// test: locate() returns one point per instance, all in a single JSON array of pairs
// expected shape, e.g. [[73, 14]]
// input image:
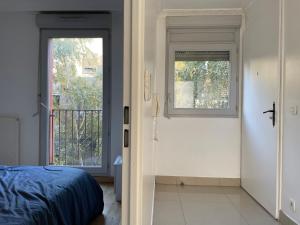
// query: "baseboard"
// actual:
[[285, 220], [101, 179], [153, 199], [198, 181]]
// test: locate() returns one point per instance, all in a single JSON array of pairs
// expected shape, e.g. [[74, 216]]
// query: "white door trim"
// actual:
[[281, 105], [125, 209], [202, 12], [136, 139]]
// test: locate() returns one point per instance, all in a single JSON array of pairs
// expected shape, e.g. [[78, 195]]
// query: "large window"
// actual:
[[202, 80], [75, 91]]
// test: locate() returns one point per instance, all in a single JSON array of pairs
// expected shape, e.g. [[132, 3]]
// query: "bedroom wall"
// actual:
[[194, 147], [291, 142], [19, 78], [19, 57]]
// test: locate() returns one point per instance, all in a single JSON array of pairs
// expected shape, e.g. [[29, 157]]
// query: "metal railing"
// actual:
[[76, 137]]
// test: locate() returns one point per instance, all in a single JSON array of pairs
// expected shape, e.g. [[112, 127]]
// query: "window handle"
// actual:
[[41, 105]]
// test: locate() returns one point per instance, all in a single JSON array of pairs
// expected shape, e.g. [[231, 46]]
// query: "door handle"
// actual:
[[273, 111]]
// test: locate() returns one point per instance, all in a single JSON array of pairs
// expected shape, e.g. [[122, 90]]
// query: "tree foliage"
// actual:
[[211, 82], [77, 129], [77, 91]]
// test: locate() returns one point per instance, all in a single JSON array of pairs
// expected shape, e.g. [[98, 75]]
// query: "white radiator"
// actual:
[[9, 141]]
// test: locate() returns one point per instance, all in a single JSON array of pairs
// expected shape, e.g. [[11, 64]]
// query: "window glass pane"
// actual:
[[202, 80], [76, 67], [75, 76]]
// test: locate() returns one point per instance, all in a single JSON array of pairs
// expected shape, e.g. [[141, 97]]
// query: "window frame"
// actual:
[[232, 112], [45, 36]]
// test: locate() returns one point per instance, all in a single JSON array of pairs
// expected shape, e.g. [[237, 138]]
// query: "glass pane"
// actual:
[[76, 99], [202, 80]]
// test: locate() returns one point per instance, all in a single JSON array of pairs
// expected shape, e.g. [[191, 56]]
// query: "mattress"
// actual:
[[48, 196]]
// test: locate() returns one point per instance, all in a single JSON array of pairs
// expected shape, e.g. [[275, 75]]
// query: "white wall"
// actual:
[[19, 61], [152, 8], [116, 137], [201, 4], [198, 147], [291, 141], [19, 78], [194, 147]]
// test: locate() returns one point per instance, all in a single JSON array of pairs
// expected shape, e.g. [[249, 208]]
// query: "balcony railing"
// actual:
[[76, 137]]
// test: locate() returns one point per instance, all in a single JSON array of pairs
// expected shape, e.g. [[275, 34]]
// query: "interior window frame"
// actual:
[[45, 36], [232, 111]]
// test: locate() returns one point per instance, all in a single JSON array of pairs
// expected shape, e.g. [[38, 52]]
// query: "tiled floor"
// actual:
[[194, 205]]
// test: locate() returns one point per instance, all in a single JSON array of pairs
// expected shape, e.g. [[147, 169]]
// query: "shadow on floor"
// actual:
[[112, 209]]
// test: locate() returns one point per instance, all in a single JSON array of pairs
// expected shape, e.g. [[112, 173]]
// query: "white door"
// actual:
[[261, 90]]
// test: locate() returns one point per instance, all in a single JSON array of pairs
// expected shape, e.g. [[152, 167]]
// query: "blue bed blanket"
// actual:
[[48, 196]]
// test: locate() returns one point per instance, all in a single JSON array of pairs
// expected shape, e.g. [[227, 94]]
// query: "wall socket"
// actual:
[[293, 205], [294, 110]]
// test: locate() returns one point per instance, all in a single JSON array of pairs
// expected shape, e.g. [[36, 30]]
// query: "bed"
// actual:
[[48, 196]]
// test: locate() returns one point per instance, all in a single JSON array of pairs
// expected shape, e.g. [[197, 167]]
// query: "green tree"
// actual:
[[211, 81], [77, 84]]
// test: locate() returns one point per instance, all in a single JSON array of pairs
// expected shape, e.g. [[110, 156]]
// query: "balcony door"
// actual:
[[75, 98]]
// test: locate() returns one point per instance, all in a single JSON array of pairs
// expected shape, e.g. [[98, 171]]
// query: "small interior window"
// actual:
[[202, 76], [202, 79]]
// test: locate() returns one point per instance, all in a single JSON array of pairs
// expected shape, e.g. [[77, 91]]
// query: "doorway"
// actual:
[[75, 99], [81, 100]]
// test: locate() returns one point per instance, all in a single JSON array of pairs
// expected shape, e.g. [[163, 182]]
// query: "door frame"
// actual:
[[137, 48], [281, 56], [136, 8], [134, 13], [126, 172], [44, 109]]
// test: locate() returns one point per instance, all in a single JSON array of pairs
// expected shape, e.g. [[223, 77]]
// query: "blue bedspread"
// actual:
[[48, 196]]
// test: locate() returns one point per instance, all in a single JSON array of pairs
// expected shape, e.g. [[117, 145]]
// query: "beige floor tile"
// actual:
[[166, 193], [204, 198], [198, 205], [253, 213], [201, 189], [168, 213], [254, 217], [197, 213], [166, 188]]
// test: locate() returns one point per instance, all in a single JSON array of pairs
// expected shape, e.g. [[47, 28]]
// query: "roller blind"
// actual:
[[202, 56]]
